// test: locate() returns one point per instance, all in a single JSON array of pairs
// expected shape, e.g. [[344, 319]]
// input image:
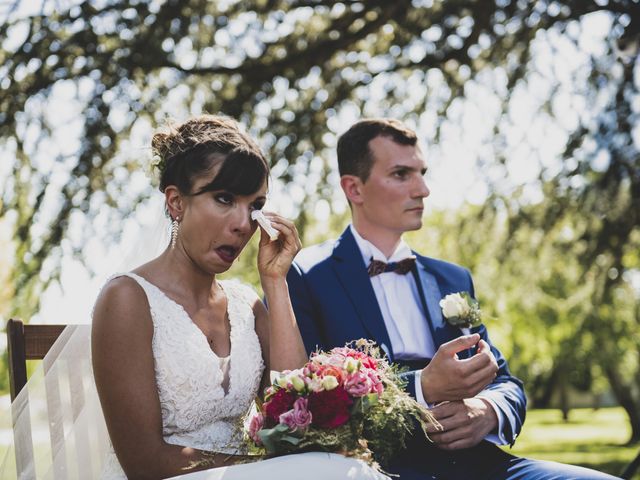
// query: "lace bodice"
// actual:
[[196, 412]]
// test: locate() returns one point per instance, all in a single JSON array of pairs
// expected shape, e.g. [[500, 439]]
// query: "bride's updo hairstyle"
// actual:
[[191, 149]]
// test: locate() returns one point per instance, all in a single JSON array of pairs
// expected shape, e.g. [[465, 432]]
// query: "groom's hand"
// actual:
[[449, 378], [464, 423]]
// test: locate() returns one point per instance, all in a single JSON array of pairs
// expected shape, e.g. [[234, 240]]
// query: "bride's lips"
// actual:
[[227, 253]]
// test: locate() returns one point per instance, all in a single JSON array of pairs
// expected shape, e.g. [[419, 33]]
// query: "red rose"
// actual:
[[279, 403], [330, 409]]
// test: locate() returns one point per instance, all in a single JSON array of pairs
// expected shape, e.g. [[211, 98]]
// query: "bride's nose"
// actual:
[[241, 221]]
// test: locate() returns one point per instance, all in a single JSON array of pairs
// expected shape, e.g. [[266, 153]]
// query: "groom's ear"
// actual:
[[351, 186], [173, 198]]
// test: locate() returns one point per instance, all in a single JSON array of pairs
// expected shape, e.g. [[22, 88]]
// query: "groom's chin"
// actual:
[[416, 225]]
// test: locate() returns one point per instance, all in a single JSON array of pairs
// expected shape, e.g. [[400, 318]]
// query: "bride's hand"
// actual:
[[275, 257]]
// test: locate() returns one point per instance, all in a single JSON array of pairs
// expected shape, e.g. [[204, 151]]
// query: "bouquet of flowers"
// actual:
[[348, 400]]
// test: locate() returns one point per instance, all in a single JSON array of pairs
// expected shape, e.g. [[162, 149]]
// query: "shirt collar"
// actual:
[[369, 250]]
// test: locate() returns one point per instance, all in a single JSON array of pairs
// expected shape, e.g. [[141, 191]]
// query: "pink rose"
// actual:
[[368, 362], [299, 417], [358, 384], [377, 386], [365, 359], [256, 424]]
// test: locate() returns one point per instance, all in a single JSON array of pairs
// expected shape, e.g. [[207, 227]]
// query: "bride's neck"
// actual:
[[181, 274]]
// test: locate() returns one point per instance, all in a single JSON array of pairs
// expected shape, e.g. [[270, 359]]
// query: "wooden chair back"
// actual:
[[27, 342]]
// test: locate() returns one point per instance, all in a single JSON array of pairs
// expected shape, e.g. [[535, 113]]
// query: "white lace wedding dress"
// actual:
[[197, 411]]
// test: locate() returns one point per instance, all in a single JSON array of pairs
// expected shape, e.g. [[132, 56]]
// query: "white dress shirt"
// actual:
[[404, 318], [396, 295]]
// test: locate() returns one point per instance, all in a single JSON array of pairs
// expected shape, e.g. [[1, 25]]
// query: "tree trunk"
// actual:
[[624, 395], [564, 395], [546, 388]]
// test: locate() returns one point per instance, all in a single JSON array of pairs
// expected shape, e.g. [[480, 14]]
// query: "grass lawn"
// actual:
[[591, 438]]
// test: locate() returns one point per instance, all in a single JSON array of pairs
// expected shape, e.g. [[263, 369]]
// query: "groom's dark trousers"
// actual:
[[335, 303]]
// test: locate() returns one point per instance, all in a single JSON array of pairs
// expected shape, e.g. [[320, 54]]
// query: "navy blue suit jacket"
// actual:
[[334, 303]]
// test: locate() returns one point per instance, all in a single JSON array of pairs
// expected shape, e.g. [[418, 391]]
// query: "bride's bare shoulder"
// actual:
[[121, 288], [122, 303]]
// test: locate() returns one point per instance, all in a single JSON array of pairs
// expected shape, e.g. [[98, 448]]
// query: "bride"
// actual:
[[178, 355]]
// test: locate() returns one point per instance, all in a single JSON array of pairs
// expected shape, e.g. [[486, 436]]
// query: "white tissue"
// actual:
[[264, 222]]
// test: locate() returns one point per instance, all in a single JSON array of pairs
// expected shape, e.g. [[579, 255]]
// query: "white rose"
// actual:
[[321, 359], [454, 305], [351, 365], [330, 382], [298, 383], [315, 384]]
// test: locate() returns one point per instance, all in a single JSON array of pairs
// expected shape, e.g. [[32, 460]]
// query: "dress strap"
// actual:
[[155, 296]]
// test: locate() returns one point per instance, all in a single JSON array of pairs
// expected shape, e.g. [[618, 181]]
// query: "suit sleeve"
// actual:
[[303, 308], [506, 392]]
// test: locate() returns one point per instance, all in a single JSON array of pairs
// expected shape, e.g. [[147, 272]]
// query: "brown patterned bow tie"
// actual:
[[376, 267]]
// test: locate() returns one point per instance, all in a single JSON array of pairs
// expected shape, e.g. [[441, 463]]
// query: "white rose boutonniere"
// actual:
[[461, 310]]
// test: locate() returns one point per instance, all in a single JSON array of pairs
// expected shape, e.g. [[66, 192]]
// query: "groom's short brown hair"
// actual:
[[355, 156]]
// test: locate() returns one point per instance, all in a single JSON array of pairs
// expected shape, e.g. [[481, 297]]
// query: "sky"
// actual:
[[456, 174]]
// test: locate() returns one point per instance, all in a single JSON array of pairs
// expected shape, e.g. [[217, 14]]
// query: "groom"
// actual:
[[369, 284]]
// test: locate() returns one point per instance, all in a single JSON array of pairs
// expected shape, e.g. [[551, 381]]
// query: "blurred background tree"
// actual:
[[545, 95]]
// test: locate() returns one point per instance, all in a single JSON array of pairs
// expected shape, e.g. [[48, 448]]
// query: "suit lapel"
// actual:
[[352, 274], [430, 295]]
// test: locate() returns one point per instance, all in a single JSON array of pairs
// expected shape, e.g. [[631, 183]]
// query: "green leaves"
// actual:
[[363, 404], [276, 439]]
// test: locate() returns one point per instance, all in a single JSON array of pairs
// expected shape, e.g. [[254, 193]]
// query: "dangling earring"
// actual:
[[175, 226]]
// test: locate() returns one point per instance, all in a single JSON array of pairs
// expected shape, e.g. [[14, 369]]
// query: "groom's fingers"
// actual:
[[483, 347], [480, 371], [459, 344], [487, 372], [444, 410], [450, 414], [480, 379], [449, 436], [479, 361], [471, 383]]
